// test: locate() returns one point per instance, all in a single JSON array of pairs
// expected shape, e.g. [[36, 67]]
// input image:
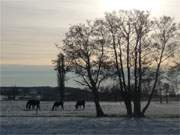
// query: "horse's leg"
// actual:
[[33, 106], [38, 105], [37, 108], [62, 106], [55, 108], [27, 106], [52, 108], [30, 106]]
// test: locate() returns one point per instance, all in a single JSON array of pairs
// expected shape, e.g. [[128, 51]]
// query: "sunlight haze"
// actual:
[[30, 28]]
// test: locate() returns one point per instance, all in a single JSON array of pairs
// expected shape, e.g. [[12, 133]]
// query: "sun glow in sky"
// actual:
[[31, 27], [132, 4]]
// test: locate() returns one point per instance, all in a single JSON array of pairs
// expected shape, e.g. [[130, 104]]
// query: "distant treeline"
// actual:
[[53, 94]]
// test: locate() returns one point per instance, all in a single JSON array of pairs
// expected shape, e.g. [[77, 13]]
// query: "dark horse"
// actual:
[[80, 103], [57, 104], [31, 104]]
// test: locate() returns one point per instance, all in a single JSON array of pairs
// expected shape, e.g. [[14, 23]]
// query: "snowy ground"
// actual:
[[162, 119]]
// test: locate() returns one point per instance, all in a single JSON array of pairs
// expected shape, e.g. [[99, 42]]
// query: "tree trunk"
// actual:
[[167, 95], [128, 94], [128, 107], [124, 90], [128, 68], [62, 86], [135, 96], [61, 76], [167, 99], [128, 104], [121, 64], [137, 104], [93, 87], [161, 99], [137, 108], [155, 82], [99, 111]]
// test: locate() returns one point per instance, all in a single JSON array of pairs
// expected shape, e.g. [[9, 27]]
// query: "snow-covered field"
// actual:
[[162, 119]]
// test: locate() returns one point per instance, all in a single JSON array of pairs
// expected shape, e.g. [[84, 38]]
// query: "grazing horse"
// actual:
[[80, 103], [31, 104], [57, 104]]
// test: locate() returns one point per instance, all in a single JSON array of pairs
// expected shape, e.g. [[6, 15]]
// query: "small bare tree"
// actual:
[[61, 69]]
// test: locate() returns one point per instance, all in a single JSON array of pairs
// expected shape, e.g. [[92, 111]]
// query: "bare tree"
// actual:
[[165, 45], [138, 42], [142, 26], [128, 31], [120, 31], [84, 48], [61, 69]]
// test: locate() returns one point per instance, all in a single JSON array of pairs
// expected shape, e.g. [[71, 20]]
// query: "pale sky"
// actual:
[[29, 28]]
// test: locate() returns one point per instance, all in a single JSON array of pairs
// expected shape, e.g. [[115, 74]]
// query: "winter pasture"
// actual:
[[162, 119]]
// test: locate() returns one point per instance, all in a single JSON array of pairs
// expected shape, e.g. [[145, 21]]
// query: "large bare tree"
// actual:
[[84, 48], [138, 43]]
